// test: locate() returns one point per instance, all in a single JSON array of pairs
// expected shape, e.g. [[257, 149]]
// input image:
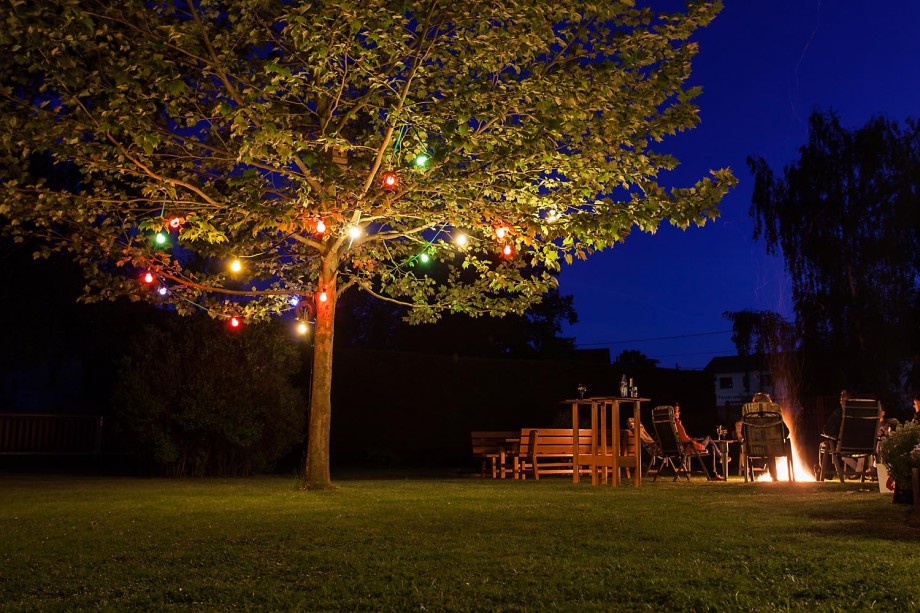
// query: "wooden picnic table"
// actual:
[[604, 459]]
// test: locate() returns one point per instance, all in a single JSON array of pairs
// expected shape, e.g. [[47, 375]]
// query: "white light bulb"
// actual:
[[354, 232]]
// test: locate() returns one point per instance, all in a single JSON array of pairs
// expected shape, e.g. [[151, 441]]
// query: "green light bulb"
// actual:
[[161, 238], [421, 160], [423, 258]]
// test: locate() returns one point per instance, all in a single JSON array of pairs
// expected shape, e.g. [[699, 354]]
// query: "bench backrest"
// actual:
[[493, 441], [554, 441]]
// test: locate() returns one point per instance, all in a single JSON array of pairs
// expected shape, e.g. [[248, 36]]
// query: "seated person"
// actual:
[[916, 417], [697, 445], [650, 448]]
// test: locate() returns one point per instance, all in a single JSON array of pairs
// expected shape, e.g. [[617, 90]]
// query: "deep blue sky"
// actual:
[[764, 66]]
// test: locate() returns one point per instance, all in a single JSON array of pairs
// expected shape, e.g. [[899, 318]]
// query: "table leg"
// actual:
[[575, 458]]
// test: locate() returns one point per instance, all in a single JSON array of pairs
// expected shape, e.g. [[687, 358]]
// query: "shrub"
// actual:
[[900, 451], [197, 399]]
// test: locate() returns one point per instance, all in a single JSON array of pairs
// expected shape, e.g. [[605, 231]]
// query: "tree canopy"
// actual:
[[336, 145], [846, 216]]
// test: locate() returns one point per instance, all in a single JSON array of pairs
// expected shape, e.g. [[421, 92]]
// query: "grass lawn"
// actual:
[[452, 544]]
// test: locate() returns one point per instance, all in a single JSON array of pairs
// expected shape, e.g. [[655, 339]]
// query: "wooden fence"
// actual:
[[39, 434]]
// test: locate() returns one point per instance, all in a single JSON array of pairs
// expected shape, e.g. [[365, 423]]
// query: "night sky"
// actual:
[[764, 65]]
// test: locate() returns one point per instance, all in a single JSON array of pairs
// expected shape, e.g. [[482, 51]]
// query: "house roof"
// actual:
[[736, 363]]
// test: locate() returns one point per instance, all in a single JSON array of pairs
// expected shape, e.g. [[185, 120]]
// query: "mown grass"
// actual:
[[70, 543]]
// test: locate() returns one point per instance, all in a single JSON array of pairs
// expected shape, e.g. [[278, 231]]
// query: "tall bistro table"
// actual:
[[603, 459]]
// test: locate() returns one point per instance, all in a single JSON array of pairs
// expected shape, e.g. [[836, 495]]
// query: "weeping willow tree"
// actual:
[[846, 217], [342, 146]]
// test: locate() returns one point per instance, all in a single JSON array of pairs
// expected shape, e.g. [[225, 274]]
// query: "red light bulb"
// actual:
[[508, 251], [234, 322], [149, 278], [320, 226], [323, 297], [175, 222], [390, 180]]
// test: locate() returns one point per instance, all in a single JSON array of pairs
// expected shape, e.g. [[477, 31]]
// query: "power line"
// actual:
[[658, 338]]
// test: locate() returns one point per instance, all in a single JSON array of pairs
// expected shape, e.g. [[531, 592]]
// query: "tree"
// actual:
[[196, 401], [760, 332], [342, 145], [634, 357], [364, 321], [846, 216]]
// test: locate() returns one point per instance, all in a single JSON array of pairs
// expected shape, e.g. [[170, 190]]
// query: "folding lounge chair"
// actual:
[[765, 438], [856, 438], [675, 454]]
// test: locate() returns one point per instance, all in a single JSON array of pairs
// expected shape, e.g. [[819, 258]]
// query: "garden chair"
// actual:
[[856, 439], [673, 452], [765, 438]]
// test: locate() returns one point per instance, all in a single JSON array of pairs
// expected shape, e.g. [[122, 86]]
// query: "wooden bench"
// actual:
[[496, 448], [548, 451]]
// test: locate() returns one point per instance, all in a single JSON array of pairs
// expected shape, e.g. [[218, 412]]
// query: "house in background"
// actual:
[[736, 379]]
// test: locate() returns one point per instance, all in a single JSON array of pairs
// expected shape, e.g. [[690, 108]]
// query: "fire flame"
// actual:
[[801, 470]]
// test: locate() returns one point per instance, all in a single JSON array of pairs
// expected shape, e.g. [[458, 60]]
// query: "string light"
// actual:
[[421, 160], [302, 328], [354, 232], [160, 238], [461, 239], [424, 258], [149, 278], [320, 226], [323, 297], [234, 322], [162, 291], [294, 301], [501, 232], [389, 180], [175, 223], [236, 265], [508, 251]]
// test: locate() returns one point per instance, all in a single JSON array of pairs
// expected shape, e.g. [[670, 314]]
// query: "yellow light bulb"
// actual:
[[236, 265], [302, 328]]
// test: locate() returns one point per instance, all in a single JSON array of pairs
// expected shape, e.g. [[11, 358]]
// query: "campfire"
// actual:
[[803, 471]]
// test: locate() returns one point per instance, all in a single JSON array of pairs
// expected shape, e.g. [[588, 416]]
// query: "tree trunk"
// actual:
[[317, 474]]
